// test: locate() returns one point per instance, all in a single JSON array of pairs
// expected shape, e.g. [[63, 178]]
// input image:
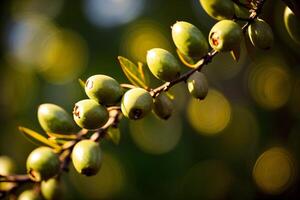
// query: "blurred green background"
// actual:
[[241, 142]]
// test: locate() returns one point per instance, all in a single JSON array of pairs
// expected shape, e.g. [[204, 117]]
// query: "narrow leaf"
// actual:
[[62, 136], [82, 83], [132, 72], [187, 61], [170, 95], [236, 52], [114, 135], [144, 73], [36, 137]]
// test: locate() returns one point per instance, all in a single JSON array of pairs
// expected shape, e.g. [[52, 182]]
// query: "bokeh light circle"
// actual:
[[156, 136], [141, 37], [110, 13], [274, 170], [211, 115], [270, 84], [109, 181]]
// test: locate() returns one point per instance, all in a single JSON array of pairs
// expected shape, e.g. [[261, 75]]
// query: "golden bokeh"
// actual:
[[274, 170], [156, 136], [141, 37], [107, 184], [209, 179], [27, 36], [240, 139], [269, 83], [64, 57], [211, 115]]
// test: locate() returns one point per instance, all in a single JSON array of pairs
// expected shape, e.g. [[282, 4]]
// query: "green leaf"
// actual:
[[37, 138], [236, 52], [144, 73], [136, 75], [186, 60], [82, 83], [62, 136], [114, 135]]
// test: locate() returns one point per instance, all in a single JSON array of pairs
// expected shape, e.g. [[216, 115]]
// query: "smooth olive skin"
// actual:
[[51, 189], [241, 12], [292, 24], [162, 64], [163, 106], [225, 35], [42, 164], [103, 89], [136, 103], [29, 195], [260, 34], [89, 114], [87, 157], [189, 40], [198, 85], [218, 9], [54, 119]]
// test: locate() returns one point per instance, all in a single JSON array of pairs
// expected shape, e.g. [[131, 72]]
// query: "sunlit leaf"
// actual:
[[132, 72], [37, 138], [82, 83], [186, 60], [114, 135], [62, 136], [144, 73], [170, 95]]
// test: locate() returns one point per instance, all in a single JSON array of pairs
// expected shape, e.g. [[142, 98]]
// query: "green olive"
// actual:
[[292, 24], [189, 40], [136, 103], [218, 9], [87, 157], [54, 119], [163, 106], [225, 35], [51, 189], [42, 164], [241, 11], [29, 195], [103, 89], [89, 114], [162, 64], [260, 34], [198, 85]]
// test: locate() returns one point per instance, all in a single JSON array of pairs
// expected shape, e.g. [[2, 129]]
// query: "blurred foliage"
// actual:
[[251, 114]]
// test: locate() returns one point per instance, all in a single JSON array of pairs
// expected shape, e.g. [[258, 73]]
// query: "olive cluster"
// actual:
[[44, 163]]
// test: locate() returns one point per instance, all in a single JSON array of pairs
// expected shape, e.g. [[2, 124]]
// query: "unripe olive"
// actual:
[[42, 164], [7, 167], [189, 40], [225, 35], [260, 34], [51, 189], [29, 195], [198, 85], [292, 24], [89, 114], [218, 9], [54, 119], [163, 106], [163, 64], [87, 157], [136, 103], [241, 11], [103, 89]]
